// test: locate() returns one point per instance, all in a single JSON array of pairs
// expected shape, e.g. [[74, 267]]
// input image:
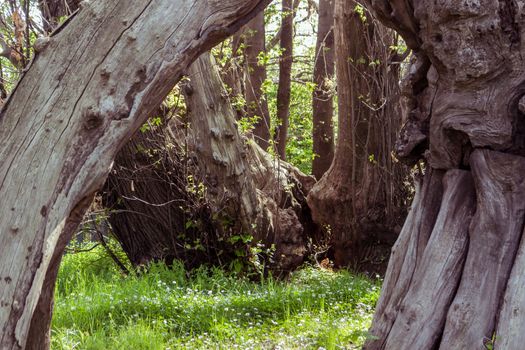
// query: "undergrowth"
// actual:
[[97, 307]]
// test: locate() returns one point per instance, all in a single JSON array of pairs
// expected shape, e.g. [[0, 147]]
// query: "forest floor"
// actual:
[[97, 307]]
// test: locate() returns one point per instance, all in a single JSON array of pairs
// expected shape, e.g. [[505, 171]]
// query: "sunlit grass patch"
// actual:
[[99, 308]]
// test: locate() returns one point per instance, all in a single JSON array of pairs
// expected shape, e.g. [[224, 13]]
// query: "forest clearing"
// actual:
[[258, 174]]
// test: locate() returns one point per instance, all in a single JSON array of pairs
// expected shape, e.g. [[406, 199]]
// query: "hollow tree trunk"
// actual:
[[255, 76], [360, 195], [323, 108], [285, 76], [63, 124], [465, 110]]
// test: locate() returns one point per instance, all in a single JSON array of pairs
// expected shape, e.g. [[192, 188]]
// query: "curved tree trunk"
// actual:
[[323, 105], [359, 196], [285, 76], [465, 111], [255, 76], [66, 119], [218, 146]]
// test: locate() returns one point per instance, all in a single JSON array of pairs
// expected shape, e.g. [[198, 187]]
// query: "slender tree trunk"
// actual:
[[285, 76], [464, 111], [359, 196], [76, 105], [323, 109], [255, 76]]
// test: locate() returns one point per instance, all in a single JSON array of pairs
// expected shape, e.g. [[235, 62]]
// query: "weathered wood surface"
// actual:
[[495, 234], [510, 332], [466, 103], [218, 146], [84, 95], [266, 195], [406, 256], [419, 322]]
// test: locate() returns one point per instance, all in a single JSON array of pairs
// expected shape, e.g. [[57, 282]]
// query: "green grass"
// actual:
[[98, 308]]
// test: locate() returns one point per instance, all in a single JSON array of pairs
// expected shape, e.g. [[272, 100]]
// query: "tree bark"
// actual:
[[359, 196], [76, 105], [495, 234], [219, 148], [255, 76], [323, 108], [465, 110], [437, 275], [285, 76], [265, 196], [407, 254]]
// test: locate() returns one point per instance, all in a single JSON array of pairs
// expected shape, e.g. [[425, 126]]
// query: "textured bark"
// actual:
[[407, 255], [511, 328], [422, 313], [323, 108], [495, 234], [266, 196], [70, 113], [255, 75], [464, 109], [219, 148], [359, 195], [285, 76]]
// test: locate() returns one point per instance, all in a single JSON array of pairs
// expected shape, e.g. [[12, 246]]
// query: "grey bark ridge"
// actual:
[[495, 234], [421, 317], [406, 256]]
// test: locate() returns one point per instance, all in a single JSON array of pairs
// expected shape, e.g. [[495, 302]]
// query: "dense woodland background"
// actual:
[[230, 150]]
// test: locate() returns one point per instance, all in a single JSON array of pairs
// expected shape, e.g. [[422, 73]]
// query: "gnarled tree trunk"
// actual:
[[65, 121], [244, 191], [264, 196], [464, 93], [359, 196]]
